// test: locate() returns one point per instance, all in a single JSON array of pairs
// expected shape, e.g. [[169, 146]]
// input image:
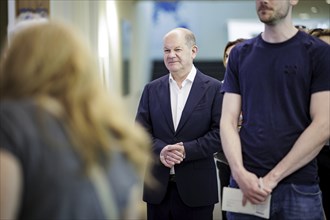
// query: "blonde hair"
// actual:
[[50, 63]]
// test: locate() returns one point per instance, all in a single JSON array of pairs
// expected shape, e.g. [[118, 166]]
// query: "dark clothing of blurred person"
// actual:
[[55, 186]]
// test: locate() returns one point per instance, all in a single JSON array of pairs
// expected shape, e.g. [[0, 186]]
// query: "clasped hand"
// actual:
[[256, 190], [172, 154]]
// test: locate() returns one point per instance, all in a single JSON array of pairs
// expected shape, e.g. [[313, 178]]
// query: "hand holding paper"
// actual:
[[232, 202]]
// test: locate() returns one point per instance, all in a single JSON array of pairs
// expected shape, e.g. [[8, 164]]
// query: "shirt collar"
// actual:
[[190, 76]]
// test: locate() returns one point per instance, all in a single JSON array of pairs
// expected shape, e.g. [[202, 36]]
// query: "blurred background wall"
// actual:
[[126, 36]]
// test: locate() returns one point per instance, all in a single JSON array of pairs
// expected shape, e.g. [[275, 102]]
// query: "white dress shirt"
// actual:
[[179, 97]]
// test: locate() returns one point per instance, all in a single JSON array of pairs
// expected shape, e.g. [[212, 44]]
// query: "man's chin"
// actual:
[[172, 67]]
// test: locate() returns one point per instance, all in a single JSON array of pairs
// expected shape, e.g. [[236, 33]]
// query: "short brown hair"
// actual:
[[229, 44]]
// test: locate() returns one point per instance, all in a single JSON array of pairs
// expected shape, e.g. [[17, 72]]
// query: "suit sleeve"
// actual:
[[143, 117]]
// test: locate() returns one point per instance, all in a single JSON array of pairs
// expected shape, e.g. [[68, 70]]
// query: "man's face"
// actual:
[[272, 11], [178, 56]]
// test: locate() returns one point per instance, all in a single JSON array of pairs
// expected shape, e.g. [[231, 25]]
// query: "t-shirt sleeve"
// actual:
[[231, 83], [321, 68]]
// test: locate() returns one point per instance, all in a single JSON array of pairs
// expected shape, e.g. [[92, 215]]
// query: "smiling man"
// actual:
[[181, 111]]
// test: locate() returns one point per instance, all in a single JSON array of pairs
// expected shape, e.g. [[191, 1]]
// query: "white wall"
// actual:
[[98, 22]]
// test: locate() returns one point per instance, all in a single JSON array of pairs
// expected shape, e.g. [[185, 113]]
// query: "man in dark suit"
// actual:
[[181, 111]]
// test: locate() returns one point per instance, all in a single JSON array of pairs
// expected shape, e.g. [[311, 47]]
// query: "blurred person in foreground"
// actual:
[[221, 161], [280, 82], [67, 150], [181, 111], [323, 158]]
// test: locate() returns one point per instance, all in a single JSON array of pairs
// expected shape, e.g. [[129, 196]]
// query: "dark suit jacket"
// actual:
[[198, 129]]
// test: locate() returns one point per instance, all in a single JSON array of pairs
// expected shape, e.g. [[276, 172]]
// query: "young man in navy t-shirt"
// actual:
[[280, 80]]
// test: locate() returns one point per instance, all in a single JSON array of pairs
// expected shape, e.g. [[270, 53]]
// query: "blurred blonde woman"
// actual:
[[67, 148]]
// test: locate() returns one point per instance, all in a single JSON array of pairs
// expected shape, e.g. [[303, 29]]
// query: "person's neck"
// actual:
[[279, 32], [179, 78]]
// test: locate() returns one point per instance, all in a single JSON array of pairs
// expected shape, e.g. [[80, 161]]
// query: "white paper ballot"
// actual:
[[232, 202]]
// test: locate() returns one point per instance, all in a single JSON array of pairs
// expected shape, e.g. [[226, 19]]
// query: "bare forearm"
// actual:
[[304, 150], [232, 146]]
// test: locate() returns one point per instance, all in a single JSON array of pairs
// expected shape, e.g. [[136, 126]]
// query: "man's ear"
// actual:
[[194, 49]]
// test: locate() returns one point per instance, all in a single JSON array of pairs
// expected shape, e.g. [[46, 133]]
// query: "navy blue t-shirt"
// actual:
[[276, 81]]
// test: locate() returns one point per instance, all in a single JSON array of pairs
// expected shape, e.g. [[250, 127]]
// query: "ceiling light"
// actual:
[[304, 15], [314, 10]]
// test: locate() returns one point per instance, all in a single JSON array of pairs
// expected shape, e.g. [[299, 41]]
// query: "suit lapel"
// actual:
[[164, 97], [197, 91]]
